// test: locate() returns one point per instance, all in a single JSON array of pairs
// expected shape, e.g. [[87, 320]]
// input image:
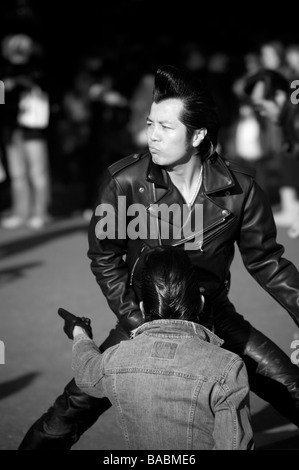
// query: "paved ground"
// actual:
[[42, 271]]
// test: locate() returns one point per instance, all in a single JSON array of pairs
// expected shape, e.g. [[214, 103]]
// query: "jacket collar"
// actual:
[[216, 175], [178, 328]]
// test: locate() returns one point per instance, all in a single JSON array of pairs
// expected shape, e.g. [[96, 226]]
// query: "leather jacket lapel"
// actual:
[[216, 175]]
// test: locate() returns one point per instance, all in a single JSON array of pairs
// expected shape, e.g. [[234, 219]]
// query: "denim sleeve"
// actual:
[[87, 363], [232, 428]]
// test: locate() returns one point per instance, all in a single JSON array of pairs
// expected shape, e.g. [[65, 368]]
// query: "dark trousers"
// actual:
[[271, 374]]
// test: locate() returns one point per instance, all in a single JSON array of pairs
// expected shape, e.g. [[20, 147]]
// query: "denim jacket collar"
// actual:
[[178, 328]]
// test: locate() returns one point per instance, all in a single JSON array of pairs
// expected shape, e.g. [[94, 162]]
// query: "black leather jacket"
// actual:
[[235, 209]]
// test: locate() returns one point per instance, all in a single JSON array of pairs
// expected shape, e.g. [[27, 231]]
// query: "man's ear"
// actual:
[[142, 308], [198, 136]]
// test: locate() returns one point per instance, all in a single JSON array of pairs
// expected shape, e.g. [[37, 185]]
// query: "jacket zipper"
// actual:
[[206, 230], [214, 235]]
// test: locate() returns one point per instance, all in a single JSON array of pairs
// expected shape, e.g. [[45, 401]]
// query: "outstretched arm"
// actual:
[[86, 357], [87, 364]]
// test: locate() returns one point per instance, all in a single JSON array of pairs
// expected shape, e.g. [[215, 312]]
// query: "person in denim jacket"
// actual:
[[173, 386]]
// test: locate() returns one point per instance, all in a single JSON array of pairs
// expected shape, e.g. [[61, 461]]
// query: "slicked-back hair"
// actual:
[[199, 109], [170, 287]]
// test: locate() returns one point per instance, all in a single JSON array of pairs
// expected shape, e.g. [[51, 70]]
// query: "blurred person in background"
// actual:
[[270, 94], [244, 141], [252, 140], [24, 131], [183, 169], [75, 155], [244, 136], [251, 64], [272, 57], [109, 133], [183, 360], [292, 61], [191, 55], [92, 125]]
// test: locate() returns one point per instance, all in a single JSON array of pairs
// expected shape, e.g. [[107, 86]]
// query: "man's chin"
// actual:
[[156, 160]]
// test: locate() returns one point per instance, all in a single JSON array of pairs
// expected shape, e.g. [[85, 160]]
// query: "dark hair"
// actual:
[[170, 286], [273, 81], [199, 110]]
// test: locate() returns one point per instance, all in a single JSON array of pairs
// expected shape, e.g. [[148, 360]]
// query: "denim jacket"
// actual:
[[173, 387]]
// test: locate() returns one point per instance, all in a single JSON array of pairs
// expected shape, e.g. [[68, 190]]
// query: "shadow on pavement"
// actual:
[[13, 386], [17, 272], [291, 443], [273, 431], [32, 240], [268, 418]]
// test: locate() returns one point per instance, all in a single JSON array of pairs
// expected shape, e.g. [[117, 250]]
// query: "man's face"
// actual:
[[166, 135], [269, 108]]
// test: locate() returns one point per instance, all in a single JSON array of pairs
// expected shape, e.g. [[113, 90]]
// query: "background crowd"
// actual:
[[69, 114]]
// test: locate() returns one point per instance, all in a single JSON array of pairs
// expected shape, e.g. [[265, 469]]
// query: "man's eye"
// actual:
[[148, 123]]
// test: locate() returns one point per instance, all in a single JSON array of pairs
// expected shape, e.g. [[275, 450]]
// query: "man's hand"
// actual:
[[71, 321]]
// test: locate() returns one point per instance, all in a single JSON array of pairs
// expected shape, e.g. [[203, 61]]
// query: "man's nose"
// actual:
[[154, 134]]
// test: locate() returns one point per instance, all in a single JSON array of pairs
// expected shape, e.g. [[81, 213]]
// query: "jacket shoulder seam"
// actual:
[[123, 163], [239, 168]]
